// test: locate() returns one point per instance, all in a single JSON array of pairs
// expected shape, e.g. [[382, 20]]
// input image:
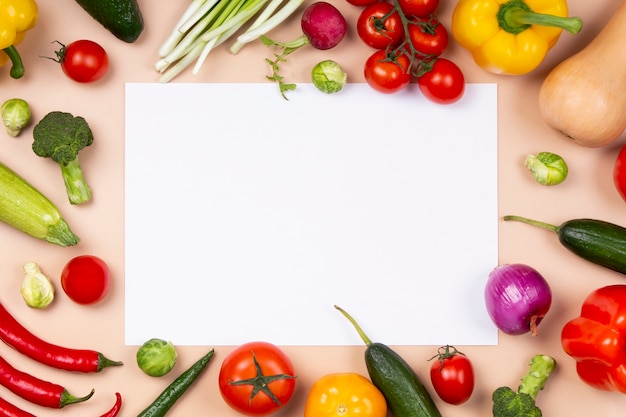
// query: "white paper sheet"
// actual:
[[248, 217]]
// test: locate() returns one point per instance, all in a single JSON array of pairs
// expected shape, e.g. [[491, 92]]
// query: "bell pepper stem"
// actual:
[[17, 68], [515, 16]]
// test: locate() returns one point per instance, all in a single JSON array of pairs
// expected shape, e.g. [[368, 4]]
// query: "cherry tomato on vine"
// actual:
[[428, 36], [85, 279], [452, 375], [257, 379], [83, 61], [444, 83], [619, 173], [379, 31], [387, 74], [418, 8]]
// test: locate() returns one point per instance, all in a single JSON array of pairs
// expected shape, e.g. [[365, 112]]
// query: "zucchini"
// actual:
[[122, 18], [596, 241], [405, 393], [25, 208]]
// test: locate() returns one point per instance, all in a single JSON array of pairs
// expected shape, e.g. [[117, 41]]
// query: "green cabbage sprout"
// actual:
[[16, 115], [156, 357], [329, 77], [547, 168], [37, 289]]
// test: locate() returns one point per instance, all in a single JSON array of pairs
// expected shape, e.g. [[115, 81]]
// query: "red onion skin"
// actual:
[[517, 298]]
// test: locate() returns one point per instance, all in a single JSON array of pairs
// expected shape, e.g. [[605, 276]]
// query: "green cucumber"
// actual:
[[405, 393], [25, 208], [122, 18], [596, 241]]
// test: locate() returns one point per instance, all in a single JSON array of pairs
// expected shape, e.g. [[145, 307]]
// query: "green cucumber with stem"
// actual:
[[27, 209], [596, 241], [405, 393]]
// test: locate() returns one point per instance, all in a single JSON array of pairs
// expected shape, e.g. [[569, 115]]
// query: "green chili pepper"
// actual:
[[162, 404]]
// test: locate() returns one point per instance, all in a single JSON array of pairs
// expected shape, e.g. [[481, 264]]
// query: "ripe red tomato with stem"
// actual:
[[387, 73], [418, 8], [83, 61], [619, 173], [428, 36], [452, 375], [379, 25], [85, 279], [257, 379], [441, 81]]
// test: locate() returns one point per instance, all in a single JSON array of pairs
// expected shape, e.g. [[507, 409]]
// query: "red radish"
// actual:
[[323, 25]]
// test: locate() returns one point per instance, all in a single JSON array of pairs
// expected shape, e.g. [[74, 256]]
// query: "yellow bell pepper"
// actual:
[[16, 17], [511, 36]]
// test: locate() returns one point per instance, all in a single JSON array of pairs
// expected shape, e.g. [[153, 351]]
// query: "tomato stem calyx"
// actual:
[[260, 382], [445, 352]]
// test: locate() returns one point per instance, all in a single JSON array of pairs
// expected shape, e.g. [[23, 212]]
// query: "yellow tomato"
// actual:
[[345, 395]]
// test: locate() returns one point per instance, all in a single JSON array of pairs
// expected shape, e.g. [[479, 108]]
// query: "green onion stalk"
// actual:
[[205, 24]]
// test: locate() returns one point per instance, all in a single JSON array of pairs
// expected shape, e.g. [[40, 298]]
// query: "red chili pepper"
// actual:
[[21, 339], [9, 410], [35, 390], [116, 407]]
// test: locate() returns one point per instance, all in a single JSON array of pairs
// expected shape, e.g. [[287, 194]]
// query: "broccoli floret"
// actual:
[[61, 136], [508, 403]]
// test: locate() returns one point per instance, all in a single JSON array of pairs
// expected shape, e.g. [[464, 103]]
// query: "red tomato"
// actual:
[[619, 173], [85, 279], [257, 379], [444, 83], [428, 36], [418, 8], [84, 61], [387, 74], [376, 32], [452, 376], [361, 3]]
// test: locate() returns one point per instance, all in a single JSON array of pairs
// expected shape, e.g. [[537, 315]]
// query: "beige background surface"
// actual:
[[588, 192]]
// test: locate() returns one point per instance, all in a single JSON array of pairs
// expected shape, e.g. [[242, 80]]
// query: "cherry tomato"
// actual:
[[452, 375], [444, 83], [387, 74], [257, 379], [85, 279], [376, 32], [361, 3], [418, 8], [619, 173], [83, 61], [345, 394], [428, 36]]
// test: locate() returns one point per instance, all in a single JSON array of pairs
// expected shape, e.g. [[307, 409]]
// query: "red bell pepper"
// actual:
[[597, 339]]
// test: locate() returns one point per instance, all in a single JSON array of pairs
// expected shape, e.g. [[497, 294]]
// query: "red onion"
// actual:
[[517, 298]]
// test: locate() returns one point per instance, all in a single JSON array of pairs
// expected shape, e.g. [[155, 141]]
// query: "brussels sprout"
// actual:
[[328, 77], [547, 168], [156, 357], [16, 115], [37, 289]]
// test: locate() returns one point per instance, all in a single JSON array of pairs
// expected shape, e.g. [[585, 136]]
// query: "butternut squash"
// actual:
[[584, 97]]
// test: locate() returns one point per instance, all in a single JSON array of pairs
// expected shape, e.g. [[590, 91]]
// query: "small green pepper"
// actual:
[[547, 168], [164, 401]]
